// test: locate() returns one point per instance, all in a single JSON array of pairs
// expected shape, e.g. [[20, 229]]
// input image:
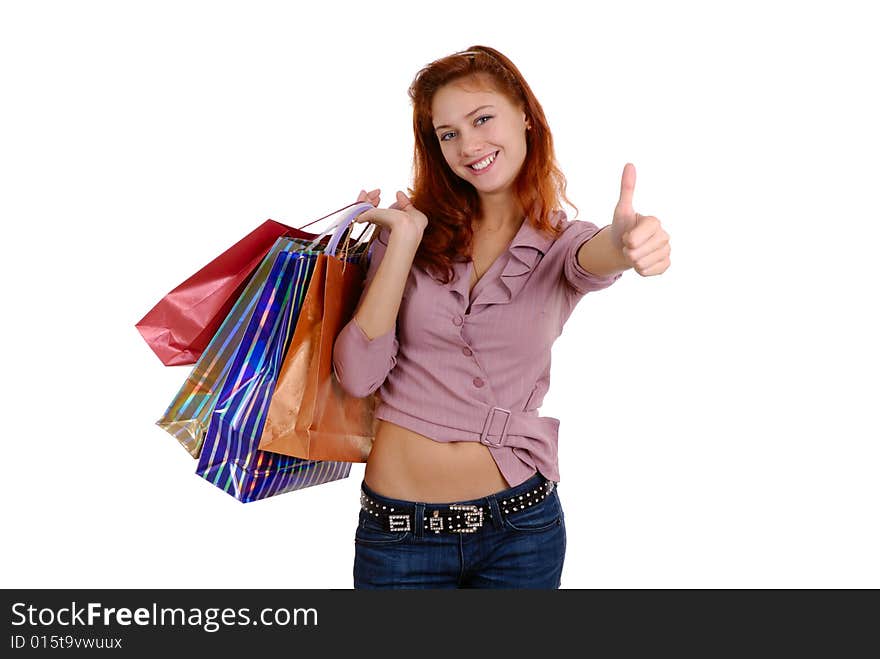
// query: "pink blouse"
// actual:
[[475, 368]]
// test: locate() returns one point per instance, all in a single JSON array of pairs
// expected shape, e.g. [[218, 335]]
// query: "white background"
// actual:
[[718, 422]]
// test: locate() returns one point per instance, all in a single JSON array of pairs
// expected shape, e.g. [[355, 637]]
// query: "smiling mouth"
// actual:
[[494, 157]]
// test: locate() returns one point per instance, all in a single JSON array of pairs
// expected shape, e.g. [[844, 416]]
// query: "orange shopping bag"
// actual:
[[310, 415]]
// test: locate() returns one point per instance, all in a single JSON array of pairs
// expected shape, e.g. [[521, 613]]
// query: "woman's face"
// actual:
[[469, 132]]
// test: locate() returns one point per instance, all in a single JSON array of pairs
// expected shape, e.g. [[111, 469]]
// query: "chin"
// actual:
[[494, 186]]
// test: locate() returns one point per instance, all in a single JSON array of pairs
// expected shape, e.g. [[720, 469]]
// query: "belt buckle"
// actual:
[[398, 523], [488, 424], [435, 522], [473, 518]]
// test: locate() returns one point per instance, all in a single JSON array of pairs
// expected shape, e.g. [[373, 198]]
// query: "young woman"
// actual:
[[469, 284]]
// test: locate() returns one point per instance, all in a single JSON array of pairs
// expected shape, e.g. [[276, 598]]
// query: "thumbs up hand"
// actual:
[[642, 241]]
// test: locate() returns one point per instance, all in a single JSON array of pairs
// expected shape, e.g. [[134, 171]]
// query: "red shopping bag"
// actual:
[[180, 326]]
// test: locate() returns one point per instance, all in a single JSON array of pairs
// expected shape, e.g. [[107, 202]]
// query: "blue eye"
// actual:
[[485, 116]]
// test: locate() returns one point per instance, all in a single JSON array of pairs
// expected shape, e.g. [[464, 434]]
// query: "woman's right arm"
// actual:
[[365, 350]]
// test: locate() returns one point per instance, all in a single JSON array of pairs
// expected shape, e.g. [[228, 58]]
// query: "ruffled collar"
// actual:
[[523, 254]]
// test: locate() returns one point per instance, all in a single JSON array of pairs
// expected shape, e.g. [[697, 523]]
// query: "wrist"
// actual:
[[407, 235]]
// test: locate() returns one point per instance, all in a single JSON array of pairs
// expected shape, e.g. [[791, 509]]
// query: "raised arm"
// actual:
[[365, 350]]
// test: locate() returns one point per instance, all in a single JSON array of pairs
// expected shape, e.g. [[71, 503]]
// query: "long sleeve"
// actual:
[[360, 364], [578, 278]]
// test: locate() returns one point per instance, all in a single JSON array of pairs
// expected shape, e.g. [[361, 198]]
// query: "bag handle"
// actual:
[[339, 228]]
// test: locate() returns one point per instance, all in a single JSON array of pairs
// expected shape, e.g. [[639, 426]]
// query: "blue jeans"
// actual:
[[517, 549]]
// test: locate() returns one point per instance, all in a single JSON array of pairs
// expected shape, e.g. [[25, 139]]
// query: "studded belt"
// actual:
[[454, 517]]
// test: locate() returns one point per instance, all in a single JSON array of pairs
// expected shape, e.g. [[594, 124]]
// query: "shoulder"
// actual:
[[383, 235], [380, 235], [374, 252], [572, 232], [378, 241]]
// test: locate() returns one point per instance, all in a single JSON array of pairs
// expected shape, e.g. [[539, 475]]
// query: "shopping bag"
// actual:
[[230, 457], [186, 418], [310, 415], [180, 326]]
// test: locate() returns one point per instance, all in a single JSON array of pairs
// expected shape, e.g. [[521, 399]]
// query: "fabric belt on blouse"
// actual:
[[504, 427]]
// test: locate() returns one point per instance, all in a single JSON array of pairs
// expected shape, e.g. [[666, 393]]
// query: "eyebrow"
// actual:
[[482, 107]]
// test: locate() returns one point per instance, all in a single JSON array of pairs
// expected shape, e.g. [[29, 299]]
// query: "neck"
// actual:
[[498, 217]]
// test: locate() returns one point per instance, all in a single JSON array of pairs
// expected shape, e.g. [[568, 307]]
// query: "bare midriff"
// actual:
[[404, 464]]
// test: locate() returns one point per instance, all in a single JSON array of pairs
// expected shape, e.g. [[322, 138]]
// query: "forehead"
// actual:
[[454, 100]]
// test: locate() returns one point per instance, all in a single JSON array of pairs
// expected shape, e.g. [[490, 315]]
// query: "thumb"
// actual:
[[627, 187]]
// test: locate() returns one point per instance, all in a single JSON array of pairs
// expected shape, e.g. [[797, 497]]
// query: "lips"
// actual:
[[480, 159], [494, 156]]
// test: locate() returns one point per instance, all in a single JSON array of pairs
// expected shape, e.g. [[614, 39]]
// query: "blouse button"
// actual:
[[478, 382], [467, 351], [457, 320]]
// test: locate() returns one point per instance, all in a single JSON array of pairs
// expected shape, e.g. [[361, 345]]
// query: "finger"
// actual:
[[636, 253], [403, 200], [362, 217], [627, 186], [641, 233], [647, 253], [656, 263]]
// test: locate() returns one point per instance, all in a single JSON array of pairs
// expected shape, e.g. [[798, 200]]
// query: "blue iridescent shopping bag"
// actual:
[[186, 417]]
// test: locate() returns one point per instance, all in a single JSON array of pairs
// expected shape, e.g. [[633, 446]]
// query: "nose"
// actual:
[[472, 150]]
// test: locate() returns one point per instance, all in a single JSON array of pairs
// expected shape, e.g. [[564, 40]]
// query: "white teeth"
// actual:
[[483, 163]]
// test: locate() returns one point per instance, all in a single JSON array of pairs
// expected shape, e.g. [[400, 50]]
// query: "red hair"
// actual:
[[451, 203]]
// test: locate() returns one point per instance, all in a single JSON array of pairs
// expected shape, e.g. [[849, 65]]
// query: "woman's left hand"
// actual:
[[642, 241]]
